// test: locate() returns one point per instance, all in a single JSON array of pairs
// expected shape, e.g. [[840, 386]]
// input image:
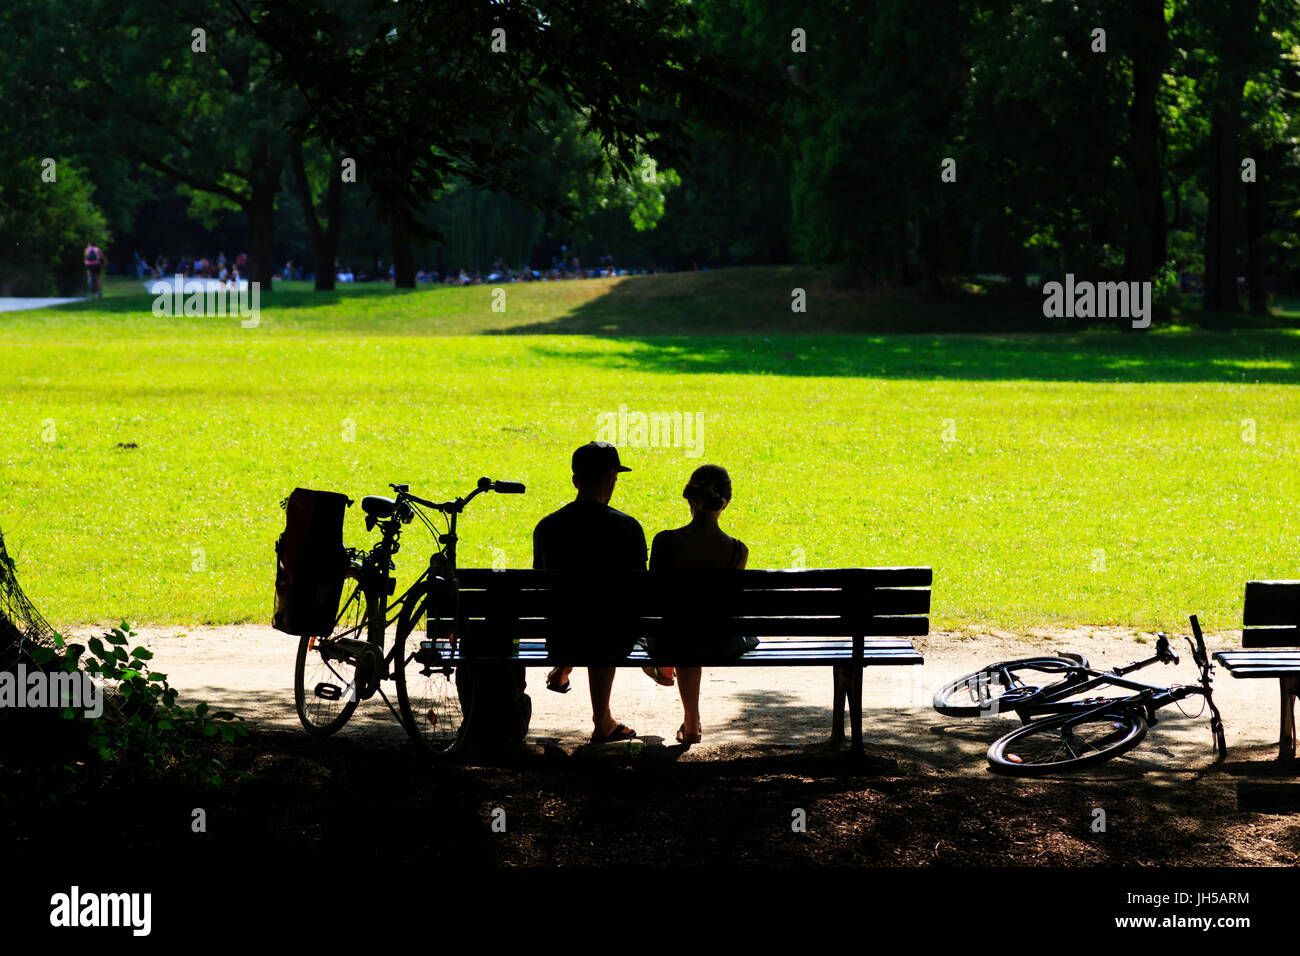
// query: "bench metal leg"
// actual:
[[837, 712], [1289, 687], [855, 706]]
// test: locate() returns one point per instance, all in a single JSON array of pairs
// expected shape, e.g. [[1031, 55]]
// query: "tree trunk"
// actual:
[[1220, 220], [403, 259], [1225, 160], [324, 240], [1145, 249], [264, 180], [1257, 227]]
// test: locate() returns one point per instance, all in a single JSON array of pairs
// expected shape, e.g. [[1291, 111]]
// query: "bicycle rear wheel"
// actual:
[[991, 691], [435, 712], [1066, 742], [325, 688]]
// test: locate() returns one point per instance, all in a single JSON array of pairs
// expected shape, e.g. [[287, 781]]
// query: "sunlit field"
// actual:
[[1049, 475]]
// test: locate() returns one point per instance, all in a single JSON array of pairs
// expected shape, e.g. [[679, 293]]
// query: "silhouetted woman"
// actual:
[[700, 545]]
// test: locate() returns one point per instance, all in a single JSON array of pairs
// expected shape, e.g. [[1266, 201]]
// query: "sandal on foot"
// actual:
[[684, 738], [657, 675], [558, 688], [619, 733]]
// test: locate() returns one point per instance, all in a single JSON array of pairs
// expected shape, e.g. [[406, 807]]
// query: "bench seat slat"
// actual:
[[1260, 664], [776, 653]]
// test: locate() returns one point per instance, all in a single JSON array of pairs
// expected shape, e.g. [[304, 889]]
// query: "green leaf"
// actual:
[[201, 709], [116, 637], [210, 730], [97, 646], [142, 654], [58, 639]]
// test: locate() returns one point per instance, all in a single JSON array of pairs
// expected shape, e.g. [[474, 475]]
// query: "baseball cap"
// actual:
[[595, 458]]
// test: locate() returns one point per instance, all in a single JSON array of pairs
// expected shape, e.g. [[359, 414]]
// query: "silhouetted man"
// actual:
[[587, 534]]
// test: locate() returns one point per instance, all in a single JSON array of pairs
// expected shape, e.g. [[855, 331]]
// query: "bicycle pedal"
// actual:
[[328, 691]]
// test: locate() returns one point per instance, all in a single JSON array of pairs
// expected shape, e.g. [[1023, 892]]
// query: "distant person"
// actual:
[[94, 260], [587, 534], [701, 545]]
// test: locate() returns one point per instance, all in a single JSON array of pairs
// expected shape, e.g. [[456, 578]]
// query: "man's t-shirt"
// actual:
[[586, 535]]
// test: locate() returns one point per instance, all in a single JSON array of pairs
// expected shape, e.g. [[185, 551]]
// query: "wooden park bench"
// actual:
[[846, 619], [1270, 638]]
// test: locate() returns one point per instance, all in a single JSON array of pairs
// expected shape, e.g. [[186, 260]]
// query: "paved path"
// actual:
[[249, 668], [16, 305]]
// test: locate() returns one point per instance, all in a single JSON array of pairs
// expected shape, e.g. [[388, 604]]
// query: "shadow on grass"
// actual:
[[1265, 356], [741, 321]]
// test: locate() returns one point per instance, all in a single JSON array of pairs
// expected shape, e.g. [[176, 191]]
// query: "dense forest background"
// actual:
[[1142, 139]]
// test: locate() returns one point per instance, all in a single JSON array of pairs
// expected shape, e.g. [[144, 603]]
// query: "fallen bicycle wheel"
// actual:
[[985, 694], [1066, 742]]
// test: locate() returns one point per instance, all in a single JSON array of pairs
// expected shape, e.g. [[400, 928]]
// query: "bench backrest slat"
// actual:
[[1271, 617], [829, 602]]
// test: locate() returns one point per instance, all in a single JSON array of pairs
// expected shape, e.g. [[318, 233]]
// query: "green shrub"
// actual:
[[142, 722]]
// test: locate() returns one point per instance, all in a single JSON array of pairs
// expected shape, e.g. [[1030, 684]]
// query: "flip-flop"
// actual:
[[620, 733], [558, 688], [684, 738], [657, 675]]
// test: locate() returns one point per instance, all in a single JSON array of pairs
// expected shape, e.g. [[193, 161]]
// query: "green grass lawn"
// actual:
[[1048, 474]]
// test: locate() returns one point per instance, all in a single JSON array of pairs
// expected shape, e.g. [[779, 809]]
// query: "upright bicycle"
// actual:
[[1064, 730], [334, 672]]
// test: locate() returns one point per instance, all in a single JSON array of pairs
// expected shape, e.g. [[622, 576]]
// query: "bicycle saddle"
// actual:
[[377, 506]]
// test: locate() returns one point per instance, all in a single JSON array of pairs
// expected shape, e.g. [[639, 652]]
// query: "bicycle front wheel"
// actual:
[[992, 691], [1066, 742], [435, 712], [325, 674]]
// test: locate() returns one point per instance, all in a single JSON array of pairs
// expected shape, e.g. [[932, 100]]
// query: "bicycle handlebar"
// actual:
[[458, 505]]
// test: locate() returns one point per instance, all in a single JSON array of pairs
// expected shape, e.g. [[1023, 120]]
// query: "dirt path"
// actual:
[[249, 669]]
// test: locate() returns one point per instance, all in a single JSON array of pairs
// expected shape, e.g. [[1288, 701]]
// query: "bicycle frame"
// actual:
[[374, 573], [1053, 699]]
